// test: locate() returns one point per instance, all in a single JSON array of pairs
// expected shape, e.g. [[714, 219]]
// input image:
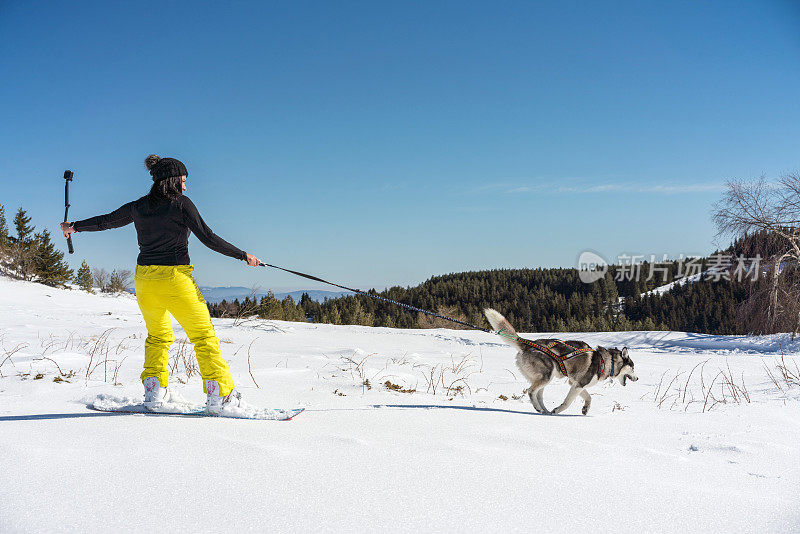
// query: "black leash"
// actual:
[[406, 306], [545, 349]]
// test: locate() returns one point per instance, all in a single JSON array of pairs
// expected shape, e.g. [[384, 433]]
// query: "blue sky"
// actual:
[[380, 143]]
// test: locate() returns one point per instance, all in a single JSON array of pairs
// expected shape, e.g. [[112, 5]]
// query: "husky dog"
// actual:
[[583, 370]]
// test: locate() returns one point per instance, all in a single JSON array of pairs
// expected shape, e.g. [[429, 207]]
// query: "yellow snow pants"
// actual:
[[162, 290]]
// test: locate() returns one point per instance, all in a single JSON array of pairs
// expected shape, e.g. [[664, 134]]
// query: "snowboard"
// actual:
[[179, 406]]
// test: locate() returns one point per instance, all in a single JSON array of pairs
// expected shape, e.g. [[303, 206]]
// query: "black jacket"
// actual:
[[162, 230]]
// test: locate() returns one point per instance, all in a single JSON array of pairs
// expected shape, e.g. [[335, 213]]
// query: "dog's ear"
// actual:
[[624, 351]]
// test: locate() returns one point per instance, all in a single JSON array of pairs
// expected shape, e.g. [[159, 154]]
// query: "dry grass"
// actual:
[[785, 375], [7, 354], [355, 367], [100, 347], [396, 387], [682, 393], [183, 358], [62, 376], [450, 379], [96, 348], [249, 369], [117, 365]]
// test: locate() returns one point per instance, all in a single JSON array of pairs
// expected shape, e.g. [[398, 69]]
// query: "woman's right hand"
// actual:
[[66, 229], [252, 261]]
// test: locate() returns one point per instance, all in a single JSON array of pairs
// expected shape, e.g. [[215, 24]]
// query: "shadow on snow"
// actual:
[[51, 416]]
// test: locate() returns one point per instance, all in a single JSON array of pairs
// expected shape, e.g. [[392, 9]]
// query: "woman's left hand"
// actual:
[[66, 229]]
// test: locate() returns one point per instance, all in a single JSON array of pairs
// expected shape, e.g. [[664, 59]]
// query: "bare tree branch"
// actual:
[[773, 211]]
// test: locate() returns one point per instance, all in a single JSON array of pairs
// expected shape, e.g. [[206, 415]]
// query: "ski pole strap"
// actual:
[[377, 297]]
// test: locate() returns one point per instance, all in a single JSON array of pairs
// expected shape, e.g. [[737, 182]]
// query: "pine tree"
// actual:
[[5, 242], [22, 223], [270, 308], [84, 278], [292, 311], [353, 312], [23, 248], [601, 324], [333, 317], [48, 263], [623, 324], [311, 309]]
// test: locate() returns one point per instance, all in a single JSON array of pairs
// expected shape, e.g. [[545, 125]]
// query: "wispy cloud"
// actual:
[[497, 186], [473, 209], [392, 186], [589, 188], [685, 188]]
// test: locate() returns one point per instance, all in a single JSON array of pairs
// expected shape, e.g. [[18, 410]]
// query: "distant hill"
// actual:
[[218, 294]]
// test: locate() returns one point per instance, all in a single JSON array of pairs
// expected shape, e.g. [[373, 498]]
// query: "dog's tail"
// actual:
[[501, 325]]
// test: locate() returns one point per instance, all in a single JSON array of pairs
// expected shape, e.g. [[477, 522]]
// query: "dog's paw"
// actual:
[[585, 409]]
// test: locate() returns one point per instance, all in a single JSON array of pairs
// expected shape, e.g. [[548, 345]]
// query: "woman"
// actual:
[[164, 283]]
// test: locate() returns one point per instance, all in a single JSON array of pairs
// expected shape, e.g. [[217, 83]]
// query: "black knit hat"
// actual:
[[161, 168]]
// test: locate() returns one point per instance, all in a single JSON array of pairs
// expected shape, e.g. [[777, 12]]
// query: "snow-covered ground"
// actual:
[[714, 449]]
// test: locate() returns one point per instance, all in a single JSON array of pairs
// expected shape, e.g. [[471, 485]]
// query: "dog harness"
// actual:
[[548, 349]]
